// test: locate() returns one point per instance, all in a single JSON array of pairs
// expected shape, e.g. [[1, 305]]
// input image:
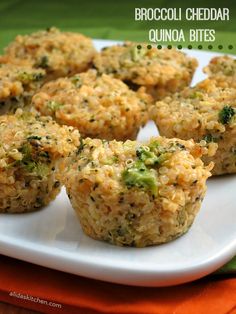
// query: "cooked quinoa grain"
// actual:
[[30, 152], [206, 113], [135, 194], [59, 53], [223, 71], [161, 71], [17, 86], [98, 105]]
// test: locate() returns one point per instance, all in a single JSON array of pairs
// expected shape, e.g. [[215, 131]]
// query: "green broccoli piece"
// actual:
[[226, 114], [34, 137], [209, 138], [30, 165], [53, 105], [38, 168], [137, 54], [76, 80], [140, 176], [148, 157], [25, 77], [43, 62]]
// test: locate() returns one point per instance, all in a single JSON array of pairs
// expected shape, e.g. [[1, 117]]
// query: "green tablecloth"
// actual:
[[109, 20]]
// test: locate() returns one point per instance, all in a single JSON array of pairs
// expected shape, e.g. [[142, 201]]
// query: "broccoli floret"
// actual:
[[81, 147], [196, 95], [38, 76], [76, 80], [110, 161], [29, 77], [26, 151], [140, 176], [38, 168], [154, 146], [44, 62], [30, 165], [54, 105], [148, 157], [137, 54], [209, 138], [34, 137], [226, 114]]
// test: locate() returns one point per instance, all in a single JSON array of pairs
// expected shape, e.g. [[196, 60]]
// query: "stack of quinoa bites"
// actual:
[[97, 104], [131, 194], [59, 53], [70, 116], [31, 149], [160, 71]]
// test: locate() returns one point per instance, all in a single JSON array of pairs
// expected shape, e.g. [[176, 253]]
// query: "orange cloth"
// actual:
[[77, 295]]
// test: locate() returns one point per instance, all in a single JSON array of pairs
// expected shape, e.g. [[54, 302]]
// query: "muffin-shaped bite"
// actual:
[[31, 149], [133, 194], [17, 86], [59, 53], [205, 113], [98, 105], [161, 71], [223, 71]]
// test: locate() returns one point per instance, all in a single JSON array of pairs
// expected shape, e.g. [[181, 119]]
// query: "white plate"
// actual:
[[53, 237]]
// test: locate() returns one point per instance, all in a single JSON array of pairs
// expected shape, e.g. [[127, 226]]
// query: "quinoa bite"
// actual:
[[205, 113], [223, 71], [59, 53], [134, 194], [31, 149], [160, 71], [17, 86], [98, 105]]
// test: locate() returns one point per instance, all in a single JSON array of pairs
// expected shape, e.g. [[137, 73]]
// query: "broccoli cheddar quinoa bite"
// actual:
[[17, 86], [31, 149], [205, 113], [223, 71], [59, 53], [160, 71], [98, 105], [132, 194]]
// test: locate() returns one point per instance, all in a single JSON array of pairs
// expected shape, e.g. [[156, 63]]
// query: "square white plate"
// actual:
[[52, 237]]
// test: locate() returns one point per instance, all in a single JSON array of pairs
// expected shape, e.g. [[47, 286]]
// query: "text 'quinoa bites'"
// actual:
[[31, 148], [205, 113], [17, 86], [98, 105], [133, 194], [161, 71], [59, 53], [222, 70]]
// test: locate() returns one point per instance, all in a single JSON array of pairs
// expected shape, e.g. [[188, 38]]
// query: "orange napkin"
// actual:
[[34, 287]]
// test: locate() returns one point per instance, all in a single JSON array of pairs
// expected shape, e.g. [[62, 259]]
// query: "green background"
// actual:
[[110, 20]]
